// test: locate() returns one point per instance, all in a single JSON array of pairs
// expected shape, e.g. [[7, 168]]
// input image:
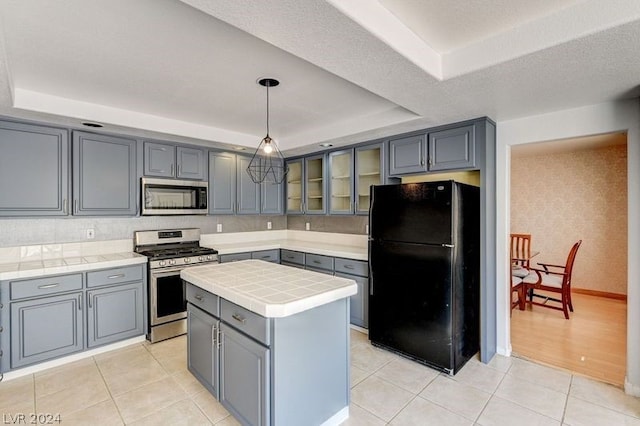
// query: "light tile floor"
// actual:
[[146, 384]]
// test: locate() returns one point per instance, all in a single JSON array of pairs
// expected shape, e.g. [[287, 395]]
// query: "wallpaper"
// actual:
[[565, 197]]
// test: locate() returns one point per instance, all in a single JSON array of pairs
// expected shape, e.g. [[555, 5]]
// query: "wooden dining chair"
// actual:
[[521, 249], [554, 279]]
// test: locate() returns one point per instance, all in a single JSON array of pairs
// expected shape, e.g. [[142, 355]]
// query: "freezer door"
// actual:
[[410, 304], [412, 212]]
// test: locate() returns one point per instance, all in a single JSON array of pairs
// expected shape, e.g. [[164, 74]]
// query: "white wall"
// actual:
[[584, 121]]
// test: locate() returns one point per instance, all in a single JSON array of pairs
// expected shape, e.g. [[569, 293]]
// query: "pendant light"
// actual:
[[267, 164]]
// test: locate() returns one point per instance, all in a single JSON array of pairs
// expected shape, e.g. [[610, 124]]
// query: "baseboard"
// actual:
[[606, 294]]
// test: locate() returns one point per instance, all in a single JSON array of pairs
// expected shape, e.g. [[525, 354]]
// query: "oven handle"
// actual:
[[163, 272]]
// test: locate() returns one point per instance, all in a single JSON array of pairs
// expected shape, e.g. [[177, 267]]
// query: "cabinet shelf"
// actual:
[[319, 179], [369, 174], [294, 198], [341, 195], [341, 177], [294, 182], [319, 197]]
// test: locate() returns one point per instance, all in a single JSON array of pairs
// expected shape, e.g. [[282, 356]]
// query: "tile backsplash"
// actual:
[[51, 233]]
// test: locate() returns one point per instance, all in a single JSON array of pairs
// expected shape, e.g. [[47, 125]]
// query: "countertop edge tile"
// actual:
[[125, 259], [335, 250]]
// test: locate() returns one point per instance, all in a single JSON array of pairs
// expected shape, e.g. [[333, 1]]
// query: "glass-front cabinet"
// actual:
[[314, 185], [294, 180], [341, 200], [368, 171]]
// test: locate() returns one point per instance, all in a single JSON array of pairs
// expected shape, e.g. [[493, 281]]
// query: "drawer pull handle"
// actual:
[[265, 257], [348, 266], [317, 262], [198, 297], [113, 277], [52, 285], [239, 318]]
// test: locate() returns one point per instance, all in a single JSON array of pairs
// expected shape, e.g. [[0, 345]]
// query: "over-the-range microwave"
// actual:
[[173, 197]]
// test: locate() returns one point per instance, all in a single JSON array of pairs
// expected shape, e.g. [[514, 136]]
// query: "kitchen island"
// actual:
[[271, 342]]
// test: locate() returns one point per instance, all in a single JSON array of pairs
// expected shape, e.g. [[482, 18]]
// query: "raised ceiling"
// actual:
[[350, 70]]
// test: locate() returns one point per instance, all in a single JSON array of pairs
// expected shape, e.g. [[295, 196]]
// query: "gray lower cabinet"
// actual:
[[49, 317], [104, 175], [34, 170], [270, 371], [46, 328], [244, 377], [292, 258], [234, 257], [115, 313], [358, 271], [202, 347], [266, 255]]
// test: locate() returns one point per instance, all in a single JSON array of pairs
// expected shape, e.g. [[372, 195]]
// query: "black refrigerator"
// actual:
[[424, 257]]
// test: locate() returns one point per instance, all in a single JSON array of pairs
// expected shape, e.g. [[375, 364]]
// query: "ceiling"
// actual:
[[350, 71]]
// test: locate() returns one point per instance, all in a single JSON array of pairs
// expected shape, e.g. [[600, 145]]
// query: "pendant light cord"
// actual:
[[268, 108]]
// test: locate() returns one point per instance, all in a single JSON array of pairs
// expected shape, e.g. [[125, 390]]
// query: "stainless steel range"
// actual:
[[169, 252]]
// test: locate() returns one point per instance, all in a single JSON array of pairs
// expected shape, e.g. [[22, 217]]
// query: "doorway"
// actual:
[[563, 191]]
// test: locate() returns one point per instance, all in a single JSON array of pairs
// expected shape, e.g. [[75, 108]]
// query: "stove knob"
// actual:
[[187, 259], [201, 258], [209, 257], [172, 262], [162, 263]]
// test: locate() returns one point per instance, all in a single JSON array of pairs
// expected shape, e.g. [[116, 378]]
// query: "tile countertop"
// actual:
[[269, 289], [324, 243], [54, 259]]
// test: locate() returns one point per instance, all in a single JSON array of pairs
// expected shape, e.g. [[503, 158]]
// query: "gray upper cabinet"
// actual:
[[247, 192], [222, 183], [341, 179], [306, 185], [231, 190], [34, 170], [170, 161], [104, 175], [368, 170], [294, 181], [452, 149], [407, 155]]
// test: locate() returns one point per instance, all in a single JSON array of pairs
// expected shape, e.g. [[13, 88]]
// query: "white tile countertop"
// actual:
[[51, 259], [269, 289], [349, 246]]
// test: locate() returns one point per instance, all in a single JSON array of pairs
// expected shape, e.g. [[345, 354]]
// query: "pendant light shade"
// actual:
[[267, 164]]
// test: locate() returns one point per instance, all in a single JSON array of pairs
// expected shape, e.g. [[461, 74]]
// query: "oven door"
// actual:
[[167, 296]]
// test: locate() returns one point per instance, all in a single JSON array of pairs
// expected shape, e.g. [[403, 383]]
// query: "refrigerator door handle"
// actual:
[[448, 245]]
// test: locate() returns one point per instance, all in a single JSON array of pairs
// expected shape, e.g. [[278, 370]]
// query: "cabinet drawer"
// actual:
[[267, 255], [290, 256], [234, 257], [204, 300], [43, 286], [248, 322], [353, 267], [114, 276], [319, 261]]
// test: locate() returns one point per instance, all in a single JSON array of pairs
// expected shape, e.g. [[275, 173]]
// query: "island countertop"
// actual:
[[269, 289]]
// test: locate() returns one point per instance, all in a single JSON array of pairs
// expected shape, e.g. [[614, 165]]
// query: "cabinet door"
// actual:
[[294, 187], [368, 171], [407, 155], [202, 347], [46, 328], [159, 160], [114, 313], [452, 149], [34, 170], [191, 163], [315, 201], [248, 192], [104, 175], [359, 302], [222, 183], [272, 197], [341, 200], [244, 377]]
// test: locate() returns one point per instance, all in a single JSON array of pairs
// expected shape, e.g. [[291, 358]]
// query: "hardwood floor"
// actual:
[[593, 342]]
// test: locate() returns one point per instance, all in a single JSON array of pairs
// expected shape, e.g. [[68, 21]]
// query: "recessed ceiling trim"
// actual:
[[41, 102], [380, 22]]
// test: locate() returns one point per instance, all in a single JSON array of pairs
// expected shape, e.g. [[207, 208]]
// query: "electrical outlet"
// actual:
[[91, 234], [268, 225], [219, 227], [307, 226]]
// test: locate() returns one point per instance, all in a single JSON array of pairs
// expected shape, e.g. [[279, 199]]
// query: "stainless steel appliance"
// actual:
[[424, 259], [171, 196], [169, 252]]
